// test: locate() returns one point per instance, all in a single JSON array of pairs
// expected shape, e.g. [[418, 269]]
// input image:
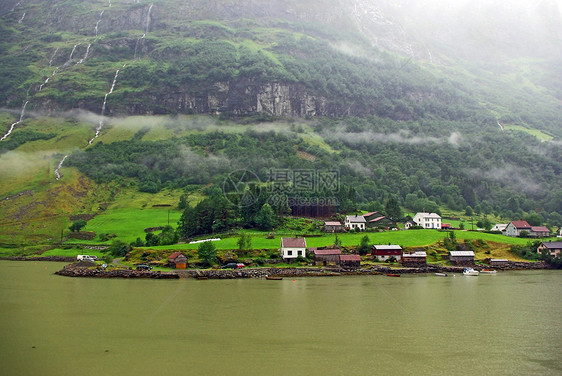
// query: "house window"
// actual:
[[299, 253], [289, 253]]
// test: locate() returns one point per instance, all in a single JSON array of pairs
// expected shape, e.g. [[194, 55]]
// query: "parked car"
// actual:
[[233, 265], [144, 267], [86, 258]]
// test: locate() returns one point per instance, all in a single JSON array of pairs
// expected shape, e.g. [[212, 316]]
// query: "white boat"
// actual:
[[470, 271], [488, 271]]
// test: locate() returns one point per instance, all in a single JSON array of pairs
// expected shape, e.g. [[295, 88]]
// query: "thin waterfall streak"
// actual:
[[57, 173], [102, 123], [16, 123]]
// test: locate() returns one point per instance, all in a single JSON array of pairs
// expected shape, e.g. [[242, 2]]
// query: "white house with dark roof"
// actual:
[[514, 228], [428, 220], [356, 222], [291, 248]]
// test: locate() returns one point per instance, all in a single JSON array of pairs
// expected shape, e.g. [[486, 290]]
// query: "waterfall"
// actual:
[[148, 18], [15, 6], [85, 55], [101, 123], [52, 57], [57, 174], [137, 45], [501, 126], [47, 80], [109, 3], [22, 17], [98, 23], [16, 123]]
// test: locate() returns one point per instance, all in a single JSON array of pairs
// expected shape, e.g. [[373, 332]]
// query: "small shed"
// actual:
[[325, 256], [461, 258], [415, 259], [178, 260], [499, 262], [333, 227], [350, 261], [383, 252]]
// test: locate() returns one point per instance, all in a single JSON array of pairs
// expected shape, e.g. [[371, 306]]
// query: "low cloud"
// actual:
[[513, 176], [401, 137]]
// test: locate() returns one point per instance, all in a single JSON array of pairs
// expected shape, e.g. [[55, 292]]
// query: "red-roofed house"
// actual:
[[178, 259], [540, 231], [291, 248], [514, 228], [350, 260]]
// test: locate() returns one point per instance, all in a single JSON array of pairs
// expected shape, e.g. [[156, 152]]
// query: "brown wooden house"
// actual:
[[325, 256], [333, 227], [353, 261], [461, 258], [414, 260], [178, 260]]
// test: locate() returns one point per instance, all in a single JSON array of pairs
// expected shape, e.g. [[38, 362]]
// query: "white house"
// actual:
[[514, 228], [291, 248], [499, 227], [428, 220], [357, 222]]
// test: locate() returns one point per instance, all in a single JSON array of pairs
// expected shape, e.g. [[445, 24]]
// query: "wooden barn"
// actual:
[[415, 259], [325, 256], [461, 258], [178, 260], [499, 262], [353, 261]]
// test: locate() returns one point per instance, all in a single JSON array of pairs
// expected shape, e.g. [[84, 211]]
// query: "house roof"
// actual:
[[389, 247], [332, 224], [521, 224], [378, 219], [552, 245], [540, 229], [445, 225], [174, 255], [428, 215], [420, 254], [350, 258], [371, 214], [498, 260], [326, 252], [461, 253], [293, 243], [355, 218]]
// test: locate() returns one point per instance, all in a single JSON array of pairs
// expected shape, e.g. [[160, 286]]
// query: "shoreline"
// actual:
[[85, 270]]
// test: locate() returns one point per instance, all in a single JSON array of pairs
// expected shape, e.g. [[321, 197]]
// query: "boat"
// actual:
[[441, 274], [470, 271], [392, 275], [488, 271], [273, 278]]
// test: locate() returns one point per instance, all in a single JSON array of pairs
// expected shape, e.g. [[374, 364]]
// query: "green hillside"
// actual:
[[110, 108]]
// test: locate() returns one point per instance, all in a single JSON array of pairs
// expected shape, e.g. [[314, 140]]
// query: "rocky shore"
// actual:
[[86, 269]]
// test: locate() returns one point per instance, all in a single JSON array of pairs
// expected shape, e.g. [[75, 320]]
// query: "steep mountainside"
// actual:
[[435, 106]]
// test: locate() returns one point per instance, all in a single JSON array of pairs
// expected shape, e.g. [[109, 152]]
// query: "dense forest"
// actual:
[[420, 172]]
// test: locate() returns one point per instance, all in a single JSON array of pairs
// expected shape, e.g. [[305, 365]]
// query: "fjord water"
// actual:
[[504, 324]]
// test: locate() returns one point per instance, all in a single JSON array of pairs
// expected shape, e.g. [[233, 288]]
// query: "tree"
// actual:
[[266, 218], [152, 240], [364, 247], [77, 225], [207, 252], [392, 208], [244, 242], [337, 241], [468, 211], [118, 248]]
